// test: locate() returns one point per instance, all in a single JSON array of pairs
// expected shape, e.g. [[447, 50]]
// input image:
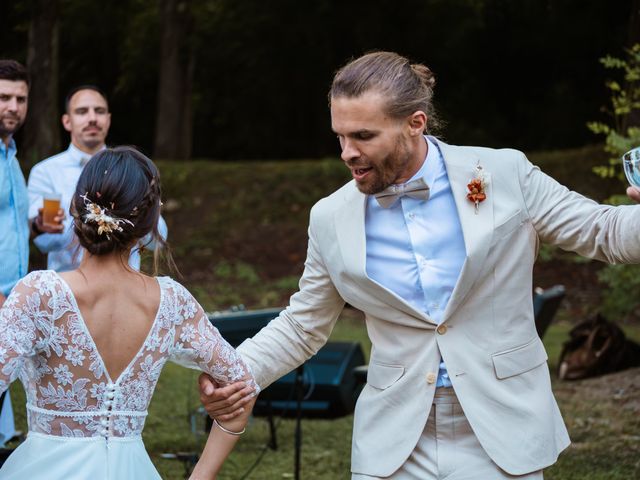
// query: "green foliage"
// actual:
[[622, 295], [549, 253], [622, 135], [620, 298], [546, 252], [273, 62]]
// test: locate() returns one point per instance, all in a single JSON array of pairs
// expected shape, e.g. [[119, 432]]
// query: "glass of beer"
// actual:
[[50, 208], [631, 163]]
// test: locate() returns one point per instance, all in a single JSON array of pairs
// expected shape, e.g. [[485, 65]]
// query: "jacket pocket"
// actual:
[[520, 359], [382, 376], [509, 225]]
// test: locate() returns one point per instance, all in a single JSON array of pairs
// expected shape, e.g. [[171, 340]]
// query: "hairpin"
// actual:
[[106, 223]]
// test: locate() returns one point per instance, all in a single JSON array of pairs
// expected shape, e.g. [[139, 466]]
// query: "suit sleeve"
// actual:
[[573, 222], [303, 327]]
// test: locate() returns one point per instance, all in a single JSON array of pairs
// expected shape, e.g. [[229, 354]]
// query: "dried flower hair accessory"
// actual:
[[477, 187], [106, 223]]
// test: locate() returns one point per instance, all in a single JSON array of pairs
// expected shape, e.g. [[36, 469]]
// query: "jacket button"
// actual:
[[442, 329], [431, 378]]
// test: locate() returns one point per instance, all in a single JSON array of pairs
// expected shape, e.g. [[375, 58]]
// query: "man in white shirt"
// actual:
[[87, 119]]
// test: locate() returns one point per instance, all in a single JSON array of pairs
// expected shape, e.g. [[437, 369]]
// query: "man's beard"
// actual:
[[387, 171], [6, 130], [91, 143]]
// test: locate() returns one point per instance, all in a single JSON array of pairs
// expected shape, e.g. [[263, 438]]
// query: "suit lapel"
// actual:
[[350, 229], [477, 228]]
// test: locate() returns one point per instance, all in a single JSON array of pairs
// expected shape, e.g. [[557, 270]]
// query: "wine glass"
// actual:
[[631, 164]]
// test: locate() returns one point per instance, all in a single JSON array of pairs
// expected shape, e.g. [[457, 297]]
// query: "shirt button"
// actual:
[[110, 395], [411, 216], [104, 422], [442, 329], [431, 378]]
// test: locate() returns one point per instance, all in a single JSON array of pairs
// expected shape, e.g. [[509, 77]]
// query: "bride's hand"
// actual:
[[220, 442]]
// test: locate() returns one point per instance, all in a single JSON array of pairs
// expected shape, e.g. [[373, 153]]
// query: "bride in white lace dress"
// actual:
[[89, 345]]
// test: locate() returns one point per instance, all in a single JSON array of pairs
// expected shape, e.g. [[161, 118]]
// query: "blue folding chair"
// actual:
[[545, 305]]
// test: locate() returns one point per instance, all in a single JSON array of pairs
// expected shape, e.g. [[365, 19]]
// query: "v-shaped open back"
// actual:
[[93, 344]]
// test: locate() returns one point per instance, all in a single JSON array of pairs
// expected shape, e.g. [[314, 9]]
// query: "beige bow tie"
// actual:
[[415, 189]]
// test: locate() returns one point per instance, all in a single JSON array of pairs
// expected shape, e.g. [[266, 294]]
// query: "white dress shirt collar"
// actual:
[[80, 156]]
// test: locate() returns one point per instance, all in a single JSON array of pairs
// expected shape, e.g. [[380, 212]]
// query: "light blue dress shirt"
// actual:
[[415, 248], [14, 220], [14, 246], [60, 174]]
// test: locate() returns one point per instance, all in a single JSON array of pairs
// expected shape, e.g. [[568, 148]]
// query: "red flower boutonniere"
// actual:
[[477, 186]]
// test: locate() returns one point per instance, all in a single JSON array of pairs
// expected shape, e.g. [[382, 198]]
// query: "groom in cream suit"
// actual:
[[435, 244]]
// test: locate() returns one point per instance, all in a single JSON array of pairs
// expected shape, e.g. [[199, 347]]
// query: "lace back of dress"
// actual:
[[70, 392], [45, 342]]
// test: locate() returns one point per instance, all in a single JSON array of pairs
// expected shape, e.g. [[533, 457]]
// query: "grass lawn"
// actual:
[[238, 232], [602, 416]]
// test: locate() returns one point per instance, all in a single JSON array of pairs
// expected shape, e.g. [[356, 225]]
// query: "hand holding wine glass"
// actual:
[[631, 164]]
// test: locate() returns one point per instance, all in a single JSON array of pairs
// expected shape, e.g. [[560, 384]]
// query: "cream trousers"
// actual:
[[448, 449]]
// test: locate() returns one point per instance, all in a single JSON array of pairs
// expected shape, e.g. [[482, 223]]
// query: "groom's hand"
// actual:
[[633, 193], [223, 403]]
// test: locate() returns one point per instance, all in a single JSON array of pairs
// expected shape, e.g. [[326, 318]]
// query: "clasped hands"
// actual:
[[223, 403]]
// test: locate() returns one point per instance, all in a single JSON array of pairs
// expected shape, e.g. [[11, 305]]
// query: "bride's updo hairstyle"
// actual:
[[117, 202]]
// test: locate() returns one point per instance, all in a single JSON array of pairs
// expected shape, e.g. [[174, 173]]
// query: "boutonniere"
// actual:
[[477, 187]]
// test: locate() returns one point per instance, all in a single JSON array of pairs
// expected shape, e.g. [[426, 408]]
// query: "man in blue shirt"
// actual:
[[14, 204], [14, 241]]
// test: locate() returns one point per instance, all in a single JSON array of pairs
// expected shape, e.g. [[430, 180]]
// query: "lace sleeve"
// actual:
[[199, 345], [18, 329]]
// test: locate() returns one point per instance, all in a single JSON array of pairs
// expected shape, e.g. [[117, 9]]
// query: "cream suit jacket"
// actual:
[[496, 362]]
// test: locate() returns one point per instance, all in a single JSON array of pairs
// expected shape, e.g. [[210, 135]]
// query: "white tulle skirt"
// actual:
[[94, 458]]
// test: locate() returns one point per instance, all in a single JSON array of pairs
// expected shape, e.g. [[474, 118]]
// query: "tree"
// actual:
[[633, 119], [41, 129], [622, 293], [174, 117], [623, 133]]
